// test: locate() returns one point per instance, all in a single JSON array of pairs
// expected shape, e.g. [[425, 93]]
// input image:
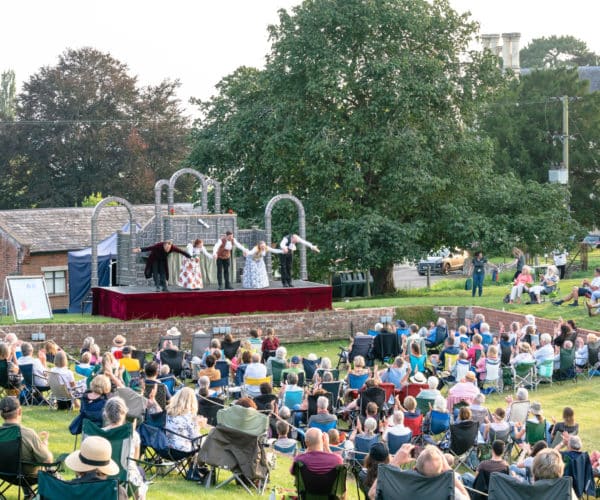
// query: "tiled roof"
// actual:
[[62, 229]]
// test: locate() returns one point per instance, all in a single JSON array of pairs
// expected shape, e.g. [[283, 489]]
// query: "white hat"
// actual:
[[418, 378], [95, 454]]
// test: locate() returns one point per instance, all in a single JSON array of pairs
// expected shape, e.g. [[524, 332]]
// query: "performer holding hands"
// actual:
[[157, 265], [288, 246], [190, 275], [255, 271]]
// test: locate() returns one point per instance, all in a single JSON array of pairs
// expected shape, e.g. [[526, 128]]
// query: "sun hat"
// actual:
[[535, 408], [173, 331], [379, 452], [119, 341], [95, 454], [418, 378]]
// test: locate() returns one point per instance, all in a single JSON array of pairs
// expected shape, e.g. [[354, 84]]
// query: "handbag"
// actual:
[[469, 284]]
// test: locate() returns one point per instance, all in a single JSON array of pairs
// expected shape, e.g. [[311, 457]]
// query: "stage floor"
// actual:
[[136, 302]]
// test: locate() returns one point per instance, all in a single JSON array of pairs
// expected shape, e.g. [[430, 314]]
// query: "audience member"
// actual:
[[39, 380], [378, 454], [322, 417], [318, 458]]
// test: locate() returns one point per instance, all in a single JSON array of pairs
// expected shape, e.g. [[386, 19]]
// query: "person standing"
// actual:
[[157, 263], [519, 261], [288, 245], [255, 271], [560, 261], [190, 274], [222, 253], [478, 269]]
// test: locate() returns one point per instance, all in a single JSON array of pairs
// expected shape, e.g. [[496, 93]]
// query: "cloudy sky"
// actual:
[[200, 41]]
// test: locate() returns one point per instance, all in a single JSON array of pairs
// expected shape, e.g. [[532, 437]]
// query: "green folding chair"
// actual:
[[535, 431], [52, 488]]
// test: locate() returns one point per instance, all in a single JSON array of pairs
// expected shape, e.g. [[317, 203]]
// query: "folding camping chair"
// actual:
[[361, 346], [566, 369], [208, 407], [310, 485], [277, 367], [334, 388], [230, 349], [395, 441], [173, 358], [60, 395], [535, 431], [335, 373], [386, 346], [174, 339], [53, 488], [504, 487], [391, 481], [524, 375], [310, 367], [545, 372], [493, 377], [31, 394], [237, 444], [439, 423], [578, 466], [463, 440], [362, 446]]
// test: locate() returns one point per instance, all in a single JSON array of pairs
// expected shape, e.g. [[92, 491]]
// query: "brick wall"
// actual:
[[493, 317], [292, 327], [33, 267]]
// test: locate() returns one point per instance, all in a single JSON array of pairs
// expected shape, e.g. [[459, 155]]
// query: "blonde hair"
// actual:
[[410, 403], [359, 362], [183, 403], [60, 359], [100, 384], [492, 350]]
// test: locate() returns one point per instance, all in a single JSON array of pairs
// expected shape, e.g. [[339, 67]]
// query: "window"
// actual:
[[56, 281]]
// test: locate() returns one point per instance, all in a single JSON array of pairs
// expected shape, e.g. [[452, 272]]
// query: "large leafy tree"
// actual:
[[556, 51], [366, 110], [526, 124], [85, 126]]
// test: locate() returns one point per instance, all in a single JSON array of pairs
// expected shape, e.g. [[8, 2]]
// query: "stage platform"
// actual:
[[135, 302]]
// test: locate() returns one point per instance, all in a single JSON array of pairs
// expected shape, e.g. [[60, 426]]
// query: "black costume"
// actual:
[[157, 264]]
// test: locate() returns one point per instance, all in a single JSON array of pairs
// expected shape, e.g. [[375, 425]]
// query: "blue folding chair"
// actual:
[[324, 427], [395, 441], [362, 446], [356, 382], [292, 398]]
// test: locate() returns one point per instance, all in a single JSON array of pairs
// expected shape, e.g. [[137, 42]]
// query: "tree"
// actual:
[[8, 90], [87, 127], [367, 112], [557, 51], [526, 124]]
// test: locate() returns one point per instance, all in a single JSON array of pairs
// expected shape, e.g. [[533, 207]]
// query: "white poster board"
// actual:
[[28, 297]]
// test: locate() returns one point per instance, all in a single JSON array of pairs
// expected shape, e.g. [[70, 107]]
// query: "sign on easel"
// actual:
[[28, 297]]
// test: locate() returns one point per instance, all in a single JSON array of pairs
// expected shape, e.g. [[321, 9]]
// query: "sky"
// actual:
[[200, 41]]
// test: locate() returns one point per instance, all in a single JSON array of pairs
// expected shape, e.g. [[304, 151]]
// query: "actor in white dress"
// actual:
[[190, 274], [255, 271]]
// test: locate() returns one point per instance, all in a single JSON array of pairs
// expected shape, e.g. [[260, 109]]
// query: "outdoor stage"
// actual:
[[135, 302]]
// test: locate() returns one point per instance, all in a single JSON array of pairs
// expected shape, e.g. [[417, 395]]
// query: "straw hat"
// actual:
[[119, 341], [173, 331], [418, 378], [95, 454]]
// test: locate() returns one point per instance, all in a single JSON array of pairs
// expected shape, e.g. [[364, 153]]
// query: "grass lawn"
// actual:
[[582, 396]]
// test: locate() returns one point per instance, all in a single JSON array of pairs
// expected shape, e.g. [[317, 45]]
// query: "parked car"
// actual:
[[443, 261], [592, 240]]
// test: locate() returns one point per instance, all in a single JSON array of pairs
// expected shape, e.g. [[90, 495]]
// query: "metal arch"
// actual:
[[157, 207], [201, 177], [95, 215], [301, 229]]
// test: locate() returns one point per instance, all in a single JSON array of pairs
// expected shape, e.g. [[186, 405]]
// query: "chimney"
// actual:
[[506, 51], [515, 61]]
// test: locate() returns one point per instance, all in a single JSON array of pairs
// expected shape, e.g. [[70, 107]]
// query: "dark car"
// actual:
[[442, 262]]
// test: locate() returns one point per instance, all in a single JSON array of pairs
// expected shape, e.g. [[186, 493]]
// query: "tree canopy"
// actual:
[[368, 113], [86, 126], [556, 51]]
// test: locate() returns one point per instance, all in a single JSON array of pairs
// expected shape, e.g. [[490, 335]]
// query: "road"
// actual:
[[406, 277]]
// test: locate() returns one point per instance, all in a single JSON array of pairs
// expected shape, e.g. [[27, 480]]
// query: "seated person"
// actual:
[[439, 406], [440, 329], [93, 462], [479, 411], [163, 396], [450, 347], [280, 355], [255, 370], [130, 364], [85, 366], [283, 441], [322, 417], [586, 289], [34, 447], [549, 464], [568, 425], [255, 341], [522, 466], [295, 367], [210, 371], [547, 285], [39, 380], [184, 421], [318, 457], [378, 454], [581, 354], [396, 374], [465, 390], [476, 349], [524, 354], [409, 407], [432, 391], [545, 352], [395, 426], [61, 368], [290, 386], [520, 284], [367, 431], [498, 425], [417, 358], [494, 464]]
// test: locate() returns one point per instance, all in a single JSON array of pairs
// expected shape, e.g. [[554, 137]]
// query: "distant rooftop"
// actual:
[[590, 73]]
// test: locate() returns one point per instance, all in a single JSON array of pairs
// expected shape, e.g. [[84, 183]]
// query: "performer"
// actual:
[[255, 272], [190, 275], [222, 252], [288, 245], [157, 265]]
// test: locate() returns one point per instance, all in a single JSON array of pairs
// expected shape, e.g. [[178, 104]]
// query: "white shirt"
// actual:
[[286, 243], [228, 246], [560, 258], [195, 251], [595, 282], [254, 370], [544, 353], [38, 370]]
